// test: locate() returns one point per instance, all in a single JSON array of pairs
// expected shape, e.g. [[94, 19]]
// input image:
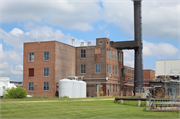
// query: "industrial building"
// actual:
[[168, 68], [45, 63], [101, 66], [128, 82]]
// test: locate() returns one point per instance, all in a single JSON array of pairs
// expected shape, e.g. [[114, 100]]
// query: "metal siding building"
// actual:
[[168, 68]]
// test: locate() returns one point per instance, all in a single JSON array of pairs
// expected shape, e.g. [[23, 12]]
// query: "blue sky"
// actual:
[[26, 20]]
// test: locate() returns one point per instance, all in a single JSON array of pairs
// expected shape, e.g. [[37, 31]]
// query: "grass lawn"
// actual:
[[75, 108]]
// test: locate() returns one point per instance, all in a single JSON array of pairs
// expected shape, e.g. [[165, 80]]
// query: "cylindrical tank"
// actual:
[[65, 88], [82, 89], [76, 89]]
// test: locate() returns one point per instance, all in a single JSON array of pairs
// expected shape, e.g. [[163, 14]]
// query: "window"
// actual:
[[119, 71], [113, 54], [46, 56], [100, 41], [129, 80], [113, 69], [97, 68], [116, 88], [116, 69], [31, 56], [110, 88], [124, 79], [109, 68], [125, 70], [107, 52], [116, 55], [113, 88], [83, 69], [119, 56], [107, 42], [133, 72], [83, 53], [46, 71], [31, 86], [31, 72], [46, 85], [129, 71]]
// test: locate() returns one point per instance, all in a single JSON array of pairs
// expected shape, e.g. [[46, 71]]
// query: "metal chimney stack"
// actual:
[[138, 74]]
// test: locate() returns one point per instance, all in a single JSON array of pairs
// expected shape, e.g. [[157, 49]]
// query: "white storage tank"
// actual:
[[76, 89], [65, 88], [82, 89], [1, 91]]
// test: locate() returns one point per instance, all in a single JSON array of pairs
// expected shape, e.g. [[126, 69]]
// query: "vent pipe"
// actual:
[[73, 41], [89, 43], [82, 43]]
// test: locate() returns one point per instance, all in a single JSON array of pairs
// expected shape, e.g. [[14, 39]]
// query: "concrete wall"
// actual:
[[167, 67]]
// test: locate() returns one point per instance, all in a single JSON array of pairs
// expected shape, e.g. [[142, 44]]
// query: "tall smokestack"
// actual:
[[138, 74]]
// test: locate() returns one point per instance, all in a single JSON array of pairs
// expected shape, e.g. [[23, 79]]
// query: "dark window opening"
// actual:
[[31, 72]]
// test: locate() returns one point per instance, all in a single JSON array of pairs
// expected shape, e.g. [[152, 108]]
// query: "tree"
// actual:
[[18, 92]]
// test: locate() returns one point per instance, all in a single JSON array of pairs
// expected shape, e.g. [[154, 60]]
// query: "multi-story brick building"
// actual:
[[45, 63], [128, 81]]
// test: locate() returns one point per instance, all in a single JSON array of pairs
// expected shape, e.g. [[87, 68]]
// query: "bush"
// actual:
[[18, 92]]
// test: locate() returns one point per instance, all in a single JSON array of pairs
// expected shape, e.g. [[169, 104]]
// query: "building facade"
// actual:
[[149, 76], [168, 68], [45, 63], [128, 81]]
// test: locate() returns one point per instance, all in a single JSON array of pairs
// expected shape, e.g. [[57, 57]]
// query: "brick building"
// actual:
[[45, 63], [149, 75], [128, 81]]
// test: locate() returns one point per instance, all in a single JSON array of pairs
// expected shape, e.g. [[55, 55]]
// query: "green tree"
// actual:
[[18, 92]]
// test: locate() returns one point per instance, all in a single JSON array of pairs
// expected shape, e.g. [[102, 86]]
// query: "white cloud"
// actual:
[[129, 58], [16, 32], [159, 18], [160, 50], [11, 60], [150, 49], [69, 14]]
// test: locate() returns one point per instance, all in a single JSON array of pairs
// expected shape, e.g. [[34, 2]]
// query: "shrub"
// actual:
[[65, 97], [18, 92]]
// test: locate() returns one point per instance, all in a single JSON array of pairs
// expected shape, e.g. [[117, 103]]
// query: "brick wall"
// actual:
[[39, 64], [65, 62]]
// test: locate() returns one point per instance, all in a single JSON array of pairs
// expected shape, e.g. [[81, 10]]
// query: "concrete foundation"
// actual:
[[139, 102], [147, 103], [121, 101], [141, 95]]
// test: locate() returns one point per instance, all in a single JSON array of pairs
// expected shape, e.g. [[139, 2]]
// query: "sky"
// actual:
[[85, 20]]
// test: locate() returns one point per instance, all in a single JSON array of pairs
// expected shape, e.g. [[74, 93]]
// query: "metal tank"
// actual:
[[65, 88], [76, 89], [82, 89]]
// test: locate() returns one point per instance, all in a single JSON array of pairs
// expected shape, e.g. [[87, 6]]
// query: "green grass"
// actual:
[[75, 108]]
